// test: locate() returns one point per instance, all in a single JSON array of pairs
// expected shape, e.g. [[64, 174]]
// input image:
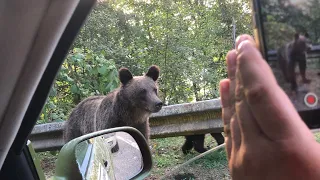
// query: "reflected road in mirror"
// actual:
[[127, 161], [110, 156]]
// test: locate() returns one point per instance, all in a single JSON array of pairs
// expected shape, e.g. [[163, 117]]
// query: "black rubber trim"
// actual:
[[259, 26], [19, 166], [41, 94]]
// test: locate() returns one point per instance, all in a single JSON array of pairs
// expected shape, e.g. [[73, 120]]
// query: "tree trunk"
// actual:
[[195, 91]]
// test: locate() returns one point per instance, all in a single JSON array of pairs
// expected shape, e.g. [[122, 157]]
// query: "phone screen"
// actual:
[[288, 34]]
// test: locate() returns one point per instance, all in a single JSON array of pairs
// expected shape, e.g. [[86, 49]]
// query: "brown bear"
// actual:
[[290, 55], [129, 105], [197, 142]]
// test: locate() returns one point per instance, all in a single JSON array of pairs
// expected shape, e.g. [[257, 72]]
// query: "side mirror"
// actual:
[[117, 153]]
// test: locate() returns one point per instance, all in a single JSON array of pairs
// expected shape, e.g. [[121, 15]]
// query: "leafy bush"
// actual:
[[84, 73]]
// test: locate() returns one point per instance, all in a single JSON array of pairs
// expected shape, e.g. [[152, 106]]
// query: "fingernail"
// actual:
[[241, 39], [224, 91], [231, 59], [244, 44], [224, 85]]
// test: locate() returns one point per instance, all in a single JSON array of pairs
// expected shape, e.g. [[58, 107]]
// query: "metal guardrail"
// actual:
[[174, 120], [314, 52]]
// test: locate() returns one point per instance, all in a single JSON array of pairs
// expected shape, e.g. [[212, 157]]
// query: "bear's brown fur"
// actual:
[[129, 105], [290, 55]]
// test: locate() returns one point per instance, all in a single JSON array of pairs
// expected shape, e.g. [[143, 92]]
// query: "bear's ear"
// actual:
[[125, 75], [153, 72]]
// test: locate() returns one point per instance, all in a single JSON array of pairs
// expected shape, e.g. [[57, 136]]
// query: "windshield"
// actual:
[[188, 41]]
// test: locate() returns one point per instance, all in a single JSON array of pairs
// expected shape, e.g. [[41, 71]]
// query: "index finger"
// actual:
[[265, 98]]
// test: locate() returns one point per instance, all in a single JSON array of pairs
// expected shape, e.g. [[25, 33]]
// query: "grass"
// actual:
[[217, 159], [47, 162], [167, 155]]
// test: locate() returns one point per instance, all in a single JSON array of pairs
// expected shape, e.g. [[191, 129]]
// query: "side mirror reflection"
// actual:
[[116, 153], [109, 156]]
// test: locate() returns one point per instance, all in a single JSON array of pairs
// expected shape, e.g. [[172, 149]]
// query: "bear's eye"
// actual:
[[155, 91], [143, 95]]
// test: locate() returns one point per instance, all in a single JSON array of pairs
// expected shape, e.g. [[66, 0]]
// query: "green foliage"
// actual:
[[277, 34], [83, 74], [188, 40], [317, 137], [283, 18]]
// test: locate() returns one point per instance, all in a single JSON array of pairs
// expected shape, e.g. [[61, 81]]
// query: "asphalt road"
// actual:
[[127, 160]]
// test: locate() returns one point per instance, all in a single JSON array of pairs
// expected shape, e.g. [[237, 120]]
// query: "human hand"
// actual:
[[265, 136]]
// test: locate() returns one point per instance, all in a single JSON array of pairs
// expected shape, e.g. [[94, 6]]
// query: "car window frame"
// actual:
[[19, 157]]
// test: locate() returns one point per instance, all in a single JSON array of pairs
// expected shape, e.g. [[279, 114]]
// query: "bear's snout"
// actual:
[[158, 106]]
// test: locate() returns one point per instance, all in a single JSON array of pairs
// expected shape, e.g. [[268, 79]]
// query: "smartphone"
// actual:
[[288, 35]]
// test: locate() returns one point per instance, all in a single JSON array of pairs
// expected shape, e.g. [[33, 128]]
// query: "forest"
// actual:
[[187, 39], [283, 18]]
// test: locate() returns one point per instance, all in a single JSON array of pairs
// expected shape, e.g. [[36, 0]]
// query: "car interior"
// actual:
[[35, 40]]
